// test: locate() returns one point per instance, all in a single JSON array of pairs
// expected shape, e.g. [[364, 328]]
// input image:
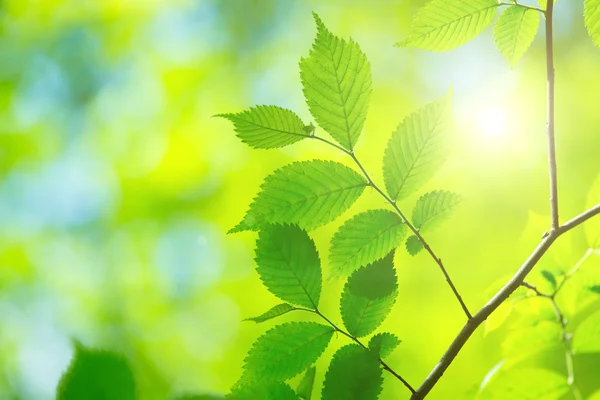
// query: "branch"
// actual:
[[414, 230], [550, 123]]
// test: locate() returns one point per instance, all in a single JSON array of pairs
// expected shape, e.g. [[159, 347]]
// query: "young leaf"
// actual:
[[434, 207], [383, 344], [413, 245], [289, 265], [549, 276], [276, 311], [585, 338], [354, 374], [336, 79], [592, 19], [416, 149], [305, 387], [309, 194], [447, 24], [514, 32], [97, 375], [285, 351], [525, 384], [267, 127], [365, 238], [264, 390], [368, 296]]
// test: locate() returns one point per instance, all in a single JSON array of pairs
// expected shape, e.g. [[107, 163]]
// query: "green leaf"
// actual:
[[289, 265], [274, 312], [413, 245], [383, 344], [514, 32], [549, 277], [525, 384], [592, 19], [586, 338], [309, 194], [526, 341], [285, 351], [594, 289], [267, 127], [97, 375], [367, 237], [305, 387], [199, 397], [264, 390], [447, 24], [434, 207], [416, 149], [368, 296], [354, 374], [336, 79], [592, 226]]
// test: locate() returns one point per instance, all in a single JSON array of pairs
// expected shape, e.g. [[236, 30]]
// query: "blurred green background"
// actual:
[[117, 186]]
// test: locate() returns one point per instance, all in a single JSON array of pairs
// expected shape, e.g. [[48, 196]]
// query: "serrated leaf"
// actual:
[[336, 80], [305, 387], [413, 245], [447, 24], [97, 375], [416, 149], [383, 344], [285, 351], [525, 384], [274, 312], [434, 207], [592, 19], [549, 277], [586, 338], [309, 194], [368, 296], [592, 226], [365, 238], [289, 265], [267, 127], [514, 32], [264, 390], [594, 289], [354, 374]]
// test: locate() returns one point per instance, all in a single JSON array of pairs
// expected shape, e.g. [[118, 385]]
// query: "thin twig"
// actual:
[[414, 230], [515, 4], [550, 122], [357, 341]]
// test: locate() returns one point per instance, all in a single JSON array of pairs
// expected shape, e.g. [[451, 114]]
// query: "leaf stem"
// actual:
[[515, 4], [361, 344], [414, 230]]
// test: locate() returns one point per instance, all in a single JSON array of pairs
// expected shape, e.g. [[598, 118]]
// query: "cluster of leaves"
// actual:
[[302, 196]]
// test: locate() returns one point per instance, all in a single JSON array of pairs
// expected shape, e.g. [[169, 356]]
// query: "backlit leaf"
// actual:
[[383, 344], [525, 384], [416, 149], [336, 79], [285, 351], [514, 32], [586, 338], [367, 237], [354, 374], [434, 207], [265, 390], [592, 19], [447, 24], [274, 312], [289, 265], [368, 296], [267, 127], [309, 194]]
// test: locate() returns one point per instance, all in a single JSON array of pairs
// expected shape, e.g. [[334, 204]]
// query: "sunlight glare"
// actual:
[[493, 123]]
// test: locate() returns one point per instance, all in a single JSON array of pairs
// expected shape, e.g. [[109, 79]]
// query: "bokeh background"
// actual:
[[117, 187]]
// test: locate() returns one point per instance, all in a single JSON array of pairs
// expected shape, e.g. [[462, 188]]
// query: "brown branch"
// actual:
[[550, 122]]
